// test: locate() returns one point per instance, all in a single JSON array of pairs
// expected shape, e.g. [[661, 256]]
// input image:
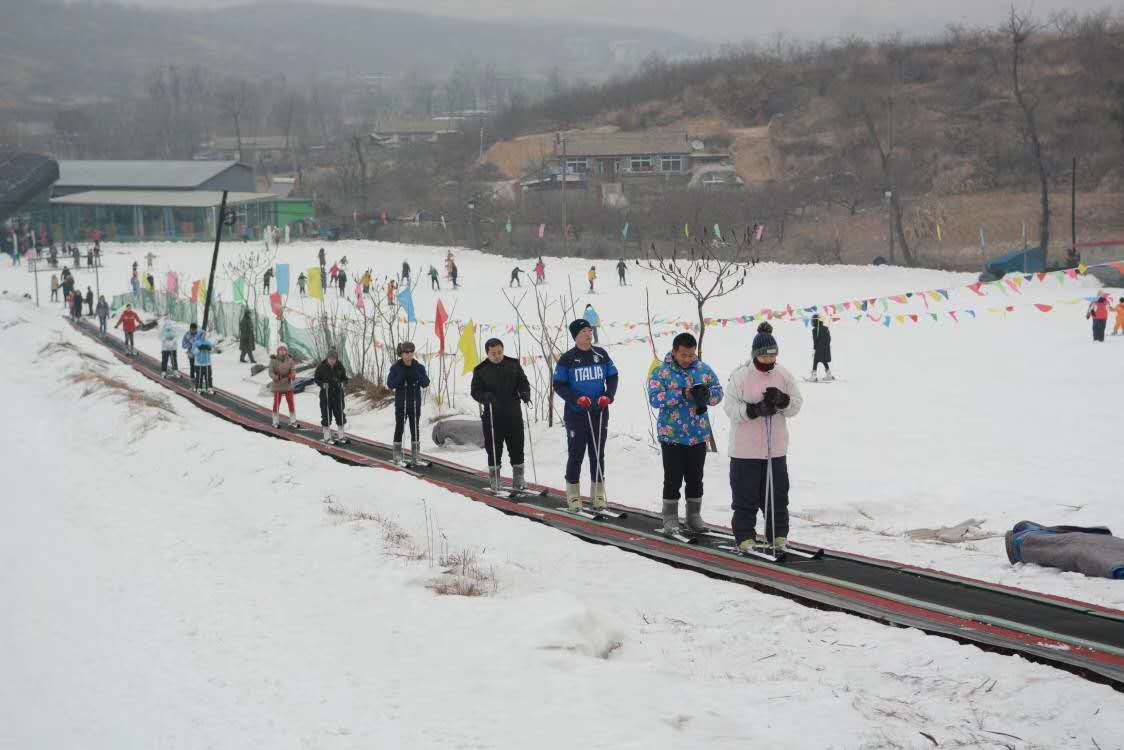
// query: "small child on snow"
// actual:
[[282, 370], [1118, 326]]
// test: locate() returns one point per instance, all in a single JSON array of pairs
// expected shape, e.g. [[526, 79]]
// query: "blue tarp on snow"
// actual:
[[1031, 260]]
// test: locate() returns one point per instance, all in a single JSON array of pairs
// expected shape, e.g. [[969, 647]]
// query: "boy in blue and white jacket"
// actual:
[[168, 342], [586, 379], [682, 388], [203, 347]]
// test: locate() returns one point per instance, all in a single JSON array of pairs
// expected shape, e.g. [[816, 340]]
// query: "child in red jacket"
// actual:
[[130, 321]]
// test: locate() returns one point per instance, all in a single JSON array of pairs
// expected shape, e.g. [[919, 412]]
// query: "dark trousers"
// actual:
[[102, 324], [1098, 329], [683, 462], [507, 429], [203, 377], [331, 406], [191, 361], [816, 362], [129, 339], [747, 487], [434, 284], [166, 357], [580, 441], [243, 355], [407, 408]]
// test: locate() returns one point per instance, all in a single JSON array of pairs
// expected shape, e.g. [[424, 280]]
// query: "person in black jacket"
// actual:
[[407, 378], [331, 378], [246, 337], [821, 344], [499, 384]]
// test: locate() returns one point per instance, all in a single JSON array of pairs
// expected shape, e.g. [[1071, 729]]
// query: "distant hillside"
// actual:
[[87, 49]]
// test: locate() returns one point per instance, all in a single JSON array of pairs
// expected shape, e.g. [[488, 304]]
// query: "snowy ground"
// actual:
[[184, 583]]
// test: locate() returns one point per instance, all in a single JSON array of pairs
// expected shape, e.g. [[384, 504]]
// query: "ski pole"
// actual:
[[769, 483], [494, 458], [531, 442], [599, 472]]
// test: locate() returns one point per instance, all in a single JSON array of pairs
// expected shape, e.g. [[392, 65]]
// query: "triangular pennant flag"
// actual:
[[977, 289], [952, 314], [1081, 269], [406, 300]]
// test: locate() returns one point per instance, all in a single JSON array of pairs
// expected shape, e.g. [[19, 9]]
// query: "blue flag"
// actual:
[[283, 278], [406, 299]]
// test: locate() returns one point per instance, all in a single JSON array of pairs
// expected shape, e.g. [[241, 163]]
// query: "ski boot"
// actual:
[[399, 458], [780, 542], [327, 435], [597, 497], [518, 478], [341, 437], [694, 516], [573, 497], [415, 449], [814, 377], [494, 478], [276, 420], [293, 423], [749, 544], [829, 377], [670, 517]]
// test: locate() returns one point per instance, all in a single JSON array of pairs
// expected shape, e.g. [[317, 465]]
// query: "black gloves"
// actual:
[[700, 395], [777, 398], [525, 397], [763, 409]]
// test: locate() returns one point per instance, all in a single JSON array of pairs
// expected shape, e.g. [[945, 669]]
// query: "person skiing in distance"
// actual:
[[341, 280], [282, 370], [514, 281], [406, 273], [407, 378], [134, 284], [149, 258], [54, 288], [334, 272], [594, 320], [498, 385], [622, 269], [203, 348], [366, 280], [266, 278], [1118, 326], [821, 349], [102, 311], [89, 301], [391, 291], [1098, 311], [586, 379], [540, 271], [168, 343], [322, 257], [592, 276], [761, 396], [246, 337], [129, 321], [434, 280], [302, 283], [331, 377], [187, 343], [454, 272], [682, 388]]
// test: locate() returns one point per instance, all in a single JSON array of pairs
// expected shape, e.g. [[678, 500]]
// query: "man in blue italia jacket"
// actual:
[[586, 379]]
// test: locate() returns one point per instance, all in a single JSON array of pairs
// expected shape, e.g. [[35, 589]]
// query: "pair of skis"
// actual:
[[765, 551]]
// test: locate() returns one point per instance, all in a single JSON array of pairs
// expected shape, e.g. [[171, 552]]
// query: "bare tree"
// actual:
[[707, 271], [1019, 28], [548, 331], [236, 100]]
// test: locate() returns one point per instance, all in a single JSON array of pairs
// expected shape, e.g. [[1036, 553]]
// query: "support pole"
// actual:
[[214, 259], [1073, 208]]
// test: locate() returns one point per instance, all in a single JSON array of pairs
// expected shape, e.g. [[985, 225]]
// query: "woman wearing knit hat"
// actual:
[[761, 396], [586, 379]]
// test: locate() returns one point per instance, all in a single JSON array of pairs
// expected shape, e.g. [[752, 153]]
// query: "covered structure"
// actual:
[[79, 176], [25, 181]]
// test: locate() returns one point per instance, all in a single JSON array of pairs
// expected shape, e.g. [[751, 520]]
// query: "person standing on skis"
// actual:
[[102, 311], [594, 321], [498, 385], [302, 283], [821, 347], [168, 343], [246, 337], [407, 378], [540, 271], [282, 370], [331, 377], [761, 396], [586, 379], [129, 321], [203, 347], [187, 343], [591, 275], [682, 388], [622, 269], [434, 280]]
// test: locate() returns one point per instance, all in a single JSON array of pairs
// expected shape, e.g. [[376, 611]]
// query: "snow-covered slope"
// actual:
[[173, 581]]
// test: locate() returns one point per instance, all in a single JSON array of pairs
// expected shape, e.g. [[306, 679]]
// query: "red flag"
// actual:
[[195, 291], [1043, 308], [275, 303], [976, 288], [439, 325]]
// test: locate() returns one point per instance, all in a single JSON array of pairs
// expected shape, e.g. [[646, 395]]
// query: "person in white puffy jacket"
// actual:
[[761, 396], [169, 343]]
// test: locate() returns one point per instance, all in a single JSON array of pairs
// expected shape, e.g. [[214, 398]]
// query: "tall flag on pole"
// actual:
[[195, 285], [624, 231], [687, 231], [439, 323], [316, 283], [283, 278], [717, 232], [467, 346], [172, 284], [406, 300], [239, 291], [275, 303]]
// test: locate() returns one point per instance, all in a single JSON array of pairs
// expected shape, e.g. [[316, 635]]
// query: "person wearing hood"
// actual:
[[761, 396], [594, 320], [102, 311], [302, 283], [203, 348], [591, 275], [682, 388], [586, 379], [407, 378], [341, 280], [498, 385], [168, 343], [622, 269], [187, 343], [266, 278], [282, 371], [821, 349], [54, 288], [540, 271], [1098, 311], [331, 377], [129, 321], [89, 301], [246, 337]]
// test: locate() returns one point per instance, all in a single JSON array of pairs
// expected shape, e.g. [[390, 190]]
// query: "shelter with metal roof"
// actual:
[[77, 176]]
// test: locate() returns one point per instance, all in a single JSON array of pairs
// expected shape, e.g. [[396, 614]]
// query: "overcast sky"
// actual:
[[726, 20]]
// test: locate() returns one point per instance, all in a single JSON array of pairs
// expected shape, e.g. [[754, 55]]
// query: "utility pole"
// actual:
[[1073, 208], [564, 225], [890, 176], [222, 221]]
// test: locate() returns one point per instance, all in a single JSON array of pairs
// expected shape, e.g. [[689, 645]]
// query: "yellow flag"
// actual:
[[939, 237], [315, 284], [467, 347], [687, 230], [1081, 269]]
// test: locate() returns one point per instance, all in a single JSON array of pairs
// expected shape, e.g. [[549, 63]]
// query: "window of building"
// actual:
[[640, 164], [671, 163], [577, 166]]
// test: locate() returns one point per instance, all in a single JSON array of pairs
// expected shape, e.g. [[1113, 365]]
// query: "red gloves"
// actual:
[[585, 403], [603, 402]]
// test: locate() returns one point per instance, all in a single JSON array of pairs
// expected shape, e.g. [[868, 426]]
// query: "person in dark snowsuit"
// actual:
[[434, 281], [302, 283], [821, 346], [323, 257], [266, 278], [405, 273], [498, 385], [622, 269], [407, 378], [331, 377], [102, 311], [341, 279], [90, 301], [586, 379], [515, 277], [246, 337]]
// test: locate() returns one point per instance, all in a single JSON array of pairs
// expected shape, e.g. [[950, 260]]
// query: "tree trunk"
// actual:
[[1030, 136], [702, 328]]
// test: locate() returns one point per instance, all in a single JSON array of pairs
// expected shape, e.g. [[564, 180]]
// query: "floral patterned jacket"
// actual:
[[669, 387]]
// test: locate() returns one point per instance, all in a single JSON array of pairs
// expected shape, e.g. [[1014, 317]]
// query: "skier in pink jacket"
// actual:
[[761, 396]]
